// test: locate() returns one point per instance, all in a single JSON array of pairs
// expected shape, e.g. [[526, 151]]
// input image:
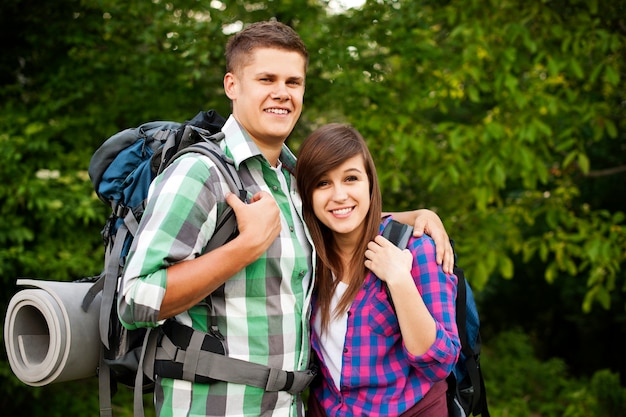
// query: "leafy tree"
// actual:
[[506, 116]]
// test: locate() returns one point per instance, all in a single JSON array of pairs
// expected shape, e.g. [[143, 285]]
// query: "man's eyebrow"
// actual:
[[265, 74], [273, 75]]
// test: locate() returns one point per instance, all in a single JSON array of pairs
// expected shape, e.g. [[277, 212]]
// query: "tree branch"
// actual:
[[606, 172]]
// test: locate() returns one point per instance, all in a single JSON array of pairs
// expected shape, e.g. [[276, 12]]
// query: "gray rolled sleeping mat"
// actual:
[[48, 336]]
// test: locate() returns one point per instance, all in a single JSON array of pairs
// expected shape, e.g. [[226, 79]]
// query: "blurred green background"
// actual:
[[507, 117]]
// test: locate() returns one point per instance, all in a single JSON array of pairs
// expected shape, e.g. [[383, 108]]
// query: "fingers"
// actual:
[[445, 257], [429, 223], [233, 200], [419, 226], [258, 220], [259, 196]]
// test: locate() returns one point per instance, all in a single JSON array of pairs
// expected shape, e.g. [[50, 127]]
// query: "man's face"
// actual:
[[267, 94]]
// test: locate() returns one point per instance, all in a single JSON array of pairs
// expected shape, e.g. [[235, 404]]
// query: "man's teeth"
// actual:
[[277, 111], [342, 211]]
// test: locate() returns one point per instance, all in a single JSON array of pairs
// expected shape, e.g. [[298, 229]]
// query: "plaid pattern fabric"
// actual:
[[262, 311], [379, 377]]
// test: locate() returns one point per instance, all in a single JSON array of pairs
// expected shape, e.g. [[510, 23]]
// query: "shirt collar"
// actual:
[[240, 146]]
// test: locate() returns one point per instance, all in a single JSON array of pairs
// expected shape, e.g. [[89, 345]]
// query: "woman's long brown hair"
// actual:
[[323, 150]]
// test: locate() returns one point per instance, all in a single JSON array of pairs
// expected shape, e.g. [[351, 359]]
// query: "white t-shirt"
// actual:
[[333, 339]]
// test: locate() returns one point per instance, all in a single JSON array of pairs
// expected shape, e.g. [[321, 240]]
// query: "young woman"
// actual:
[[375, 360]]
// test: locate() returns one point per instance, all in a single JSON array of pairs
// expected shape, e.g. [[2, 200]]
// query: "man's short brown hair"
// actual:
[[265, 34]]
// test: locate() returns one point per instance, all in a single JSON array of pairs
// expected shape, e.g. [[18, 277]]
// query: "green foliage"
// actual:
[[73, 398], [519, 385], [506, 117], [610, 396]]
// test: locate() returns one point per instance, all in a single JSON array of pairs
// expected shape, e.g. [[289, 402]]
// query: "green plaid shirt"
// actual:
[[263, 311]]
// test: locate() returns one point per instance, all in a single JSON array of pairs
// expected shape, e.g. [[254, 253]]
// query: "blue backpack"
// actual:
[[121, 171], [466, 393]]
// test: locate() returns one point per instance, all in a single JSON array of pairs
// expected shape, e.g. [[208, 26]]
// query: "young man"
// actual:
[[258, 286]]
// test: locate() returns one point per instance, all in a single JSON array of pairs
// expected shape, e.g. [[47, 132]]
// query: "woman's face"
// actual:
[[341, 198]]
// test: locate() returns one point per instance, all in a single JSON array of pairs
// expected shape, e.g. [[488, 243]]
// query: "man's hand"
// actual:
[[427, 221], [258, 221]]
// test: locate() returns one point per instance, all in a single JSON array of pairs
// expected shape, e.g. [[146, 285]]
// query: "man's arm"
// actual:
[[427, 221], [191, 281], [167, 271]]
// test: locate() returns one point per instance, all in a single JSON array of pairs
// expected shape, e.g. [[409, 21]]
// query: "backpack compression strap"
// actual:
[[202, 360]]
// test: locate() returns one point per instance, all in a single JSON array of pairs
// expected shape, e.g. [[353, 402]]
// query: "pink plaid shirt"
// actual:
[[379, 377]]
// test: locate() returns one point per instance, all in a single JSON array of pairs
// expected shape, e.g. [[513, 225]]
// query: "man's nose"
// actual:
[[280, 91]]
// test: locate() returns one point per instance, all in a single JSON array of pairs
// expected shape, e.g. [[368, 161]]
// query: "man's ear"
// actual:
[[230, 81]]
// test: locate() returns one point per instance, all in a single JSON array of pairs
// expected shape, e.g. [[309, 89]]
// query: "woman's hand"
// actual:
[[427, 221], [387, 261]]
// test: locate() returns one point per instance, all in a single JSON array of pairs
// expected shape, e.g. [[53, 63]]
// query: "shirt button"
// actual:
[[345, 350], [275, 188]]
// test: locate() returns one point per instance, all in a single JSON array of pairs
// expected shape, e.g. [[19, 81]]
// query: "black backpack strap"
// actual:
[[191, 355], [461, 320], [461, 312], [482, 402], [207, 145], [398, 234], [478, 405]]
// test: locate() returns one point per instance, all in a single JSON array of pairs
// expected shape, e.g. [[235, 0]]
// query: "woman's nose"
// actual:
[[340, 193]]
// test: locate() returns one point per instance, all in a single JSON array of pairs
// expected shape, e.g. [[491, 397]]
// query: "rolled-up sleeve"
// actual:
[[177, 224], [438, 290]]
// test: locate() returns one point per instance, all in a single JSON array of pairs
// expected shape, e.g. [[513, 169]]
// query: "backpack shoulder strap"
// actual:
[[226, 226], [398, 233], [471, 353]]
